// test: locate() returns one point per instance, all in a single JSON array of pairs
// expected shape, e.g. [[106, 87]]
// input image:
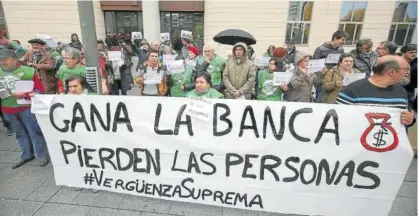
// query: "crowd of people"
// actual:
[[390, 78]]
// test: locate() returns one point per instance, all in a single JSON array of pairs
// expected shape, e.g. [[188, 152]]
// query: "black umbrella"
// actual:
[[233, 36]]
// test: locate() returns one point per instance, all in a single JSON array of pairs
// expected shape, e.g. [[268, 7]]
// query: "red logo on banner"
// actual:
[[381, 132]]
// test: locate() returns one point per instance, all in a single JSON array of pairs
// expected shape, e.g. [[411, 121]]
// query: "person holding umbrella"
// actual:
[[239, 74]]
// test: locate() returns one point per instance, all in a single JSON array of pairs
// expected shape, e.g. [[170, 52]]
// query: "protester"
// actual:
[[153, 67], [178, 81], [28, 135], [250, 53], [364, 56], [72, 60], [386, 48], [239, 74], [270, 51], [300, 85], [75, 42], [381, 89], [334, 46], [77, 85], [121, 69], [333, 81], [155, 46], [144, 51], [266, 88], [410, 55], [204, 88], [186, 42], [290, 53], [42, 62]]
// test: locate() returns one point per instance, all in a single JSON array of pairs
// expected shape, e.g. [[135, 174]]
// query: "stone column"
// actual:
[[151, 20]]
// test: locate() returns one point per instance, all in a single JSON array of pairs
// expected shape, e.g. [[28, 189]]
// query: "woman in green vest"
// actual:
[[266, 88], [185, 78], [204, 87], [72, 59]]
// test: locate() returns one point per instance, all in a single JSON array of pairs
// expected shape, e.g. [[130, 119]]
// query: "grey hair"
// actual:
[[367, 41], [72, 52]]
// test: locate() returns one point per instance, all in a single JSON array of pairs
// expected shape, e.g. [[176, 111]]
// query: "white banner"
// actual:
[[295, 158]]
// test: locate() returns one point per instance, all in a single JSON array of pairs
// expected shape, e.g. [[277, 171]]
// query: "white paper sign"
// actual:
[[350, 78], [200, 108], [282, 78], [316, 65], [23, 86], [175, 67], [48, 40], [261, 61], [168, 58], [333, 58], [164, 36], [136, 35], [344, 161], [152, 78], [186, 34], [41, 104], [114, 55]]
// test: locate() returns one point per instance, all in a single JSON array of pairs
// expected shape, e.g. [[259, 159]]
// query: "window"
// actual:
[[403, 22], [299, 22], [123, 22], [174, 22], [351, 20], [3, 27]]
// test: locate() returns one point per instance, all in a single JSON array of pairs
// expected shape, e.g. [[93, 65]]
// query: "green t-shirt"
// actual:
[[64, 72], [181, 79], [8, 80], [266, 88], [210, 93], [215, 68]]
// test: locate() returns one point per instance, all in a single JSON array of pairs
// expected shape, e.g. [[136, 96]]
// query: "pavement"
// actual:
[[31, 191]]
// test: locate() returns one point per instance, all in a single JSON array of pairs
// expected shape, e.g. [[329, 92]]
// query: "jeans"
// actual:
[[28, 134]]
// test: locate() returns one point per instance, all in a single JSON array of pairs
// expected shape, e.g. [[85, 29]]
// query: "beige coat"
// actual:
[[333, 83], [239, 75]]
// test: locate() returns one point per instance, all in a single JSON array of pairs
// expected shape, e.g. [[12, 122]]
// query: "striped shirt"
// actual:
[[364, 93]]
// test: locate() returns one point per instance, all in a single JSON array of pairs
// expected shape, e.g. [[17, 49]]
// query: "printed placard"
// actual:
[[114, 55], [175, 67], [136, 35], [200, 108], [286, 157], [164, 36], [333, 58], [316, 65], [152, 78], [168, 58], [186, 34], [261, 61], [350, 78], [282, 78]]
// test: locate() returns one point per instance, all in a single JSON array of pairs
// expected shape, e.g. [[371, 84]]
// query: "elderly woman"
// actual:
[[72, 59], [204, 87], [333, 77], [300, 85], [77, 85]]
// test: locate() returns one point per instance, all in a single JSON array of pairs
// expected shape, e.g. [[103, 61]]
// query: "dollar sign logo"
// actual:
[[379, 138]]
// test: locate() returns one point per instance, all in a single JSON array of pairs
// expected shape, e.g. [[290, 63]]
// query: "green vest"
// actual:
[[211, 93], [7, 80], [215, 68], [266, 89], [178, 80], [64, 72]]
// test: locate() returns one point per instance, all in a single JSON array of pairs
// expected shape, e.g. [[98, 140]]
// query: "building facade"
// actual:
[[308, 24]]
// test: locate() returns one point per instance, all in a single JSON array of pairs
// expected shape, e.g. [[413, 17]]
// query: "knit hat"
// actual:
[[193, 50], [299, 56]]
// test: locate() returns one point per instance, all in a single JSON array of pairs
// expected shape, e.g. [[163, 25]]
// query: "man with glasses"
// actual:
[[381, 89], [386, 48], [211, 63]]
